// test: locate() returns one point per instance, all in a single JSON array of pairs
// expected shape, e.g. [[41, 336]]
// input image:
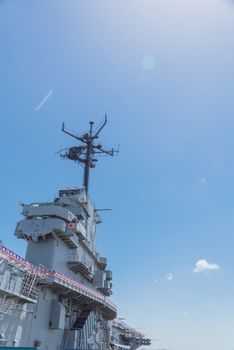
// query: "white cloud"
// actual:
[[203, 265], [155, 281], [169, 276]]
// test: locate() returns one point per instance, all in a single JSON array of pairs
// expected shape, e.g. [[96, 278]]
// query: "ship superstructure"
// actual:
[[57, 298]]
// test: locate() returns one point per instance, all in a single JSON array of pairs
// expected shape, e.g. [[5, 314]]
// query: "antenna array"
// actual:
[[85, 153]]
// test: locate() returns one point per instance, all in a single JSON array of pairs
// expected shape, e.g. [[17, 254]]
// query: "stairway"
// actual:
[[79, 324]]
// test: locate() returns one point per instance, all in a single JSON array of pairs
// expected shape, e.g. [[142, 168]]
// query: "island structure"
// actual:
[[58, 296]]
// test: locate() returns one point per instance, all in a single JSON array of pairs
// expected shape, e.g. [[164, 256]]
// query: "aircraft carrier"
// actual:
[[58, 296]]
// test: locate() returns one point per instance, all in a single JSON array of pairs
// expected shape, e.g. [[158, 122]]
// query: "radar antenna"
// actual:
[[84, 153]]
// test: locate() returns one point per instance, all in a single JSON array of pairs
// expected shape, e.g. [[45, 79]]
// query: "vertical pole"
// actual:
[[88, 159], [87, 166]]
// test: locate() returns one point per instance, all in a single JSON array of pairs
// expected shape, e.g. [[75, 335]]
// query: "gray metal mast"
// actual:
[[84, 153]]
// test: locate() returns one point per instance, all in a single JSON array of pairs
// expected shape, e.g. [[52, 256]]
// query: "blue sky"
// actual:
[[163, 72]]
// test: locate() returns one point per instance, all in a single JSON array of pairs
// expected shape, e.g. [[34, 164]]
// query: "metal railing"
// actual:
[[18, 285], [26, 266]]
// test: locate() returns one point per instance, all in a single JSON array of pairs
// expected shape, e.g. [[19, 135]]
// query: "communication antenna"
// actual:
[[88, 148]]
